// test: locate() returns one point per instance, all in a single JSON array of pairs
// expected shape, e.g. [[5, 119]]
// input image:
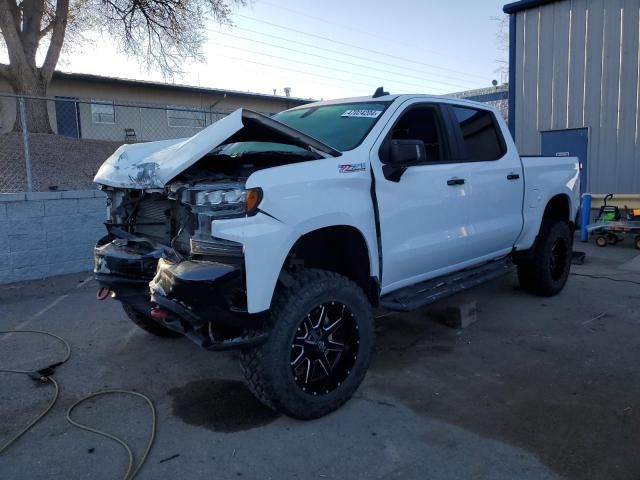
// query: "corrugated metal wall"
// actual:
[[577, 66]]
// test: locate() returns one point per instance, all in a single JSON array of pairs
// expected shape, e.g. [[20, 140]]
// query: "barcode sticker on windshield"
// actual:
[[362, 113]]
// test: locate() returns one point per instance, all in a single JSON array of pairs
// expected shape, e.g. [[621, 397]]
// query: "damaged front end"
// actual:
[[161, 256], [187, 283]]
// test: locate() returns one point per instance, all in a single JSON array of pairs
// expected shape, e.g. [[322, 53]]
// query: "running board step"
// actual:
[[421, 294]]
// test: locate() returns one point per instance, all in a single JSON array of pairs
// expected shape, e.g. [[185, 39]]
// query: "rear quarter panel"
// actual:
[[544, 178]]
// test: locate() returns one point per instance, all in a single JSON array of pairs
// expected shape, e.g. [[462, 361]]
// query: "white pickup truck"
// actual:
[[278, 236]]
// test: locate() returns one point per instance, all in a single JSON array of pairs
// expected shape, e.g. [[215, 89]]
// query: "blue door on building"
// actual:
[[67, 117], [573, 142]]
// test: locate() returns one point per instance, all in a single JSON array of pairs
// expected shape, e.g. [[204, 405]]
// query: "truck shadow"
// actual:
[[402, 340]]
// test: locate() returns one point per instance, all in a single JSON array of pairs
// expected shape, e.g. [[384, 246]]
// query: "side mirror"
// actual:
[[405, 152]]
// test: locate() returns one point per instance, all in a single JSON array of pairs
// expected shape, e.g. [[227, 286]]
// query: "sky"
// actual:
[[333, 48]]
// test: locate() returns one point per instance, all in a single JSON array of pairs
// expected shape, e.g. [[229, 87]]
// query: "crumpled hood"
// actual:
[[154, 164]]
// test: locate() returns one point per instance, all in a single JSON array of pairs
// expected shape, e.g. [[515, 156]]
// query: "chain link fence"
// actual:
[[50, 144]]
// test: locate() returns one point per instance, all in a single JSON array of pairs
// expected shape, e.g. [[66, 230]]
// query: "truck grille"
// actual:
[[172, 224]]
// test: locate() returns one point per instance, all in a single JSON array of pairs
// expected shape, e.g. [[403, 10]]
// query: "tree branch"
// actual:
[[57, 39], [17, 13], [10, 26], [46, 30], [32, 13]]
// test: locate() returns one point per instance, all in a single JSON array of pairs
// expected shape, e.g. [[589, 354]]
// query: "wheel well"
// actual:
[[340, 249], [558, 208]]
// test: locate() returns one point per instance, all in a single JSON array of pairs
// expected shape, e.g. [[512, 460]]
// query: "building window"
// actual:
[[482, 140], [102, 111], [185, 117]]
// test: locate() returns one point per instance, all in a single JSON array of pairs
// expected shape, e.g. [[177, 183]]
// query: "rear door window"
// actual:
[[482, 139]]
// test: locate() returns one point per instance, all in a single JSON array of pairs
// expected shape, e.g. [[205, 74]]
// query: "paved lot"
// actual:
[[536, 389]]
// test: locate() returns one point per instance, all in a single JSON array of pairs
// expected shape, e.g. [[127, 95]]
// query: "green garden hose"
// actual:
[[45, 375], [42, 375], [131, 472]]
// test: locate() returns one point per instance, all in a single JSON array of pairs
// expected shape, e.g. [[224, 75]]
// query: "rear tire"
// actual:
[[636, 242], [544, 269], [147, 323], [319, 348]]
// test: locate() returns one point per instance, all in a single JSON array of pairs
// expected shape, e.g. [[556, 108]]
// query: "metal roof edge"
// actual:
[[516, 7], [89, 77]]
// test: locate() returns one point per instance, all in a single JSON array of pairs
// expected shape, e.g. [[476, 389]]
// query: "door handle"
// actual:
[[455, 181], [513, 176]]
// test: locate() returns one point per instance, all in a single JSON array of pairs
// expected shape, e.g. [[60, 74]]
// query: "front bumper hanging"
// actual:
[[203, 300]]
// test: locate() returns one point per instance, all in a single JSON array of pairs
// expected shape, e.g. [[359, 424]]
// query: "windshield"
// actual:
[[241, 148], [342, 126]]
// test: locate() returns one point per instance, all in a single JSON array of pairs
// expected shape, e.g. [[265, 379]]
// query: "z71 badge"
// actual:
[[351, 167]]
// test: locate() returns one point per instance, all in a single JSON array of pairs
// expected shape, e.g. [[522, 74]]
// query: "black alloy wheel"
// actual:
[[318, 349], [324, 348], [558, 258], [544, 268]]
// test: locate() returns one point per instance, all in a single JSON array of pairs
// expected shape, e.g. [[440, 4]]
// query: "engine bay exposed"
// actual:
[[218, 165], [179, 216]]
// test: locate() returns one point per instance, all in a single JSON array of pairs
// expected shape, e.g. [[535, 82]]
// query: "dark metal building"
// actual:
[[574, 76]]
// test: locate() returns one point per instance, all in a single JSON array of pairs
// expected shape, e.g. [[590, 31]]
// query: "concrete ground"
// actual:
[[537, 388]]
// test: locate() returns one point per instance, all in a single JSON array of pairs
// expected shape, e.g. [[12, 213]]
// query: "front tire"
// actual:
[[319, 348], [544, 269]]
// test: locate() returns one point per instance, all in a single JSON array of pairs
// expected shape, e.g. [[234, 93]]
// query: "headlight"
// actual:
[[222, 199]]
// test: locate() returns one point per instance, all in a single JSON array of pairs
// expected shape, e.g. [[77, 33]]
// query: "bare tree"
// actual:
[[160, 33], [502, 41]]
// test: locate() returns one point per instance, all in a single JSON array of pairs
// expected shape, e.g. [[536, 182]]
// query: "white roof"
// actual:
[[391, 98]]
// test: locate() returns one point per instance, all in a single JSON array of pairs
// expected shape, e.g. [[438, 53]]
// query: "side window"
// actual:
[[102, 111], [185, 117], [422, 123], [482, 140]]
